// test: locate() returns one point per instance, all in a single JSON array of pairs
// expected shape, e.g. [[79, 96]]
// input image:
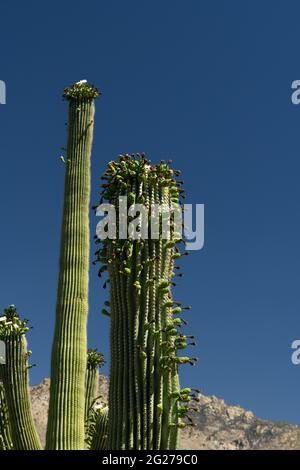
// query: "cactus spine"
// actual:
[[68, 367], [144, 399], [14, 376]]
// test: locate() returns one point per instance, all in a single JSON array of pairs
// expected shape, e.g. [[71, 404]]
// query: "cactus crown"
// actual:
[[95, 359], [81, 91], [11, 324], [134, 176], [136, 168]]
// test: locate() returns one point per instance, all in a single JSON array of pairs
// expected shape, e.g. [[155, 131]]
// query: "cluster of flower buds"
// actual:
[[80, 91], [95, 359], [11, 324]]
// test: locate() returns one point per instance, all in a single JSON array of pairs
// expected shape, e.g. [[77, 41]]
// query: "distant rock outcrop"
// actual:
[[217, 426]]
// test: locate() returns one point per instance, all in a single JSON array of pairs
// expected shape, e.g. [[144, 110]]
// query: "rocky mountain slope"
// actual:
[[217, 426]]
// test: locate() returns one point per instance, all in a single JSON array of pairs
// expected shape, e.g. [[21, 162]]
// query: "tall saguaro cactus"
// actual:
[[68, 368], [145, 401], [14, 376]]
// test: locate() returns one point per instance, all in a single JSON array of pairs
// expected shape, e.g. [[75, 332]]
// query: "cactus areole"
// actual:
[[146, 405], [68, 367]]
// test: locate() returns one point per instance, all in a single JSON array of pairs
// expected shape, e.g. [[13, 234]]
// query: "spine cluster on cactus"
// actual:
[[67, 398], [14, 376], [145, 400]]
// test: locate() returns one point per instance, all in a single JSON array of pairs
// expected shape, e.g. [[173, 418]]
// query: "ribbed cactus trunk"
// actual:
[[144, 394], [14, 376], [99, 439], [5, 430], [68, 368], [94, 362]]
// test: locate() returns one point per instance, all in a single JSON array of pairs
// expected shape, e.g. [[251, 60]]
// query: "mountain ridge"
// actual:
[[216, 425]]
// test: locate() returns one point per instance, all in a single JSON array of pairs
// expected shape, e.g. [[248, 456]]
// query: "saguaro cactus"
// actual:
[[14, 376], [100, 429], [94, 361], [145, 401], [68, 368], [5, 430]]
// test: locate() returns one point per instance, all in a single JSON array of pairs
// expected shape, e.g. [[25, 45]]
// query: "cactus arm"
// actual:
[[151, 339], [5, 429], [99, 438], [120, 372], [14, 376], [125, 415], [113, 369], [143, 340], [130, 377], [136, 359], [65, 428], [159, 324], [91, 389], [167, 340], [95, 360], [124, 436]]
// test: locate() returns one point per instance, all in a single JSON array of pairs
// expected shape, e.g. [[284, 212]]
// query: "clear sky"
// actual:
[[206, 83]]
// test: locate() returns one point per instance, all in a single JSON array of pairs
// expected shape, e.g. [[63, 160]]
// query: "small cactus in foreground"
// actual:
[[99, 429], [5, 429], [145, 409], [95, 360], [14, 376]]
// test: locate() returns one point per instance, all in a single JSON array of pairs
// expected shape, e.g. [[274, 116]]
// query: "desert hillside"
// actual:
[[217, 425]]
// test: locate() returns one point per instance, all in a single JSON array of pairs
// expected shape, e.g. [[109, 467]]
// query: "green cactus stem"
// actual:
[[95, 360], [5, 430], [143, 407], [99, 434], [68, 367], [14, 376]]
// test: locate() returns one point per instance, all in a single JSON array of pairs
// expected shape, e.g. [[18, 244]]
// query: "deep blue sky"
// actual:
[[206, 83]]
